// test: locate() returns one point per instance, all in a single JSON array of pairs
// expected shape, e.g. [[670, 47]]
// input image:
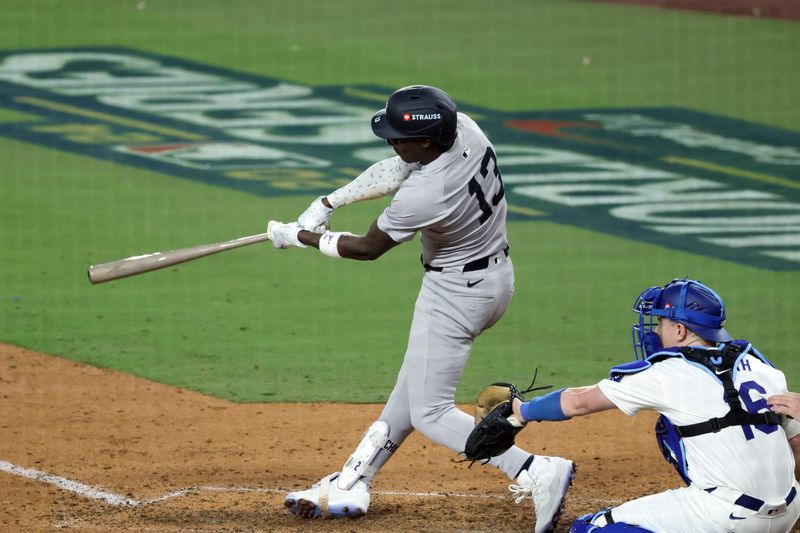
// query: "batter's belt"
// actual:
[[479, 264]]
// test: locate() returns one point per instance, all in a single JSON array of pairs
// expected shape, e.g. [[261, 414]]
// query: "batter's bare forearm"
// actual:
[[358, 248], [309, 238], [361, 248]]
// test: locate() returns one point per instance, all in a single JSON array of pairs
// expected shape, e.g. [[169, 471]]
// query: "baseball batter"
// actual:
[[715, 426], [448, 188]]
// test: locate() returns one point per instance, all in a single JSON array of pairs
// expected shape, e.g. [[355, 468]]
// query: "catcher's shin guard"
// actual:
[[359, 465]]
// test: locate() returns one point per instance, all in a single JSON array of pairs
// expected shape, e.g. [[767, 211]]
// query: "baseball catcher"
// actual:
[[737, 458]]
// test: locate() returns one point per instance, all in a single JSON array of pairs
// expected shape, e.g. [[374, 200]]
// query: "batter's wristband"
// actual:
[[329, 243], [547, 407]]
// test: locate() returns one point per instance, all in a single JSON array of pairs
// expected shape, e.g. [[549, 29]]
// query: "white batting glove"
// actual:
[[284, 235], [316, 215]]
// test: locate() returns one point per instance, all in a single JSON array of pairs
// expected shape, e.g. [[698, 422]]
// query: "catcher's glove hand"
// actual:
[[494, 431]]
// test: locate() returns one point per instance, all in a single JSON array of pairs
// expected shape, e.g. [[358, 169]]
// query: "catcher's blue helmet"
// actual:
[[418, 111], [685, 301]]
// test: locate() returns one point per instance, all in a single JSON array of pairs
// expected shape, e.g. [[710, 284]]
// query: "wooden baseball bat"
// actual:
[[139, 264]]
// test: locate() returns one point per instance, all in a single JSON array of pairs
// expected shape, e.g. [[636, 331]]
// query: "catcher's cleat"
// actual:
[[326, 499], [546, 481]]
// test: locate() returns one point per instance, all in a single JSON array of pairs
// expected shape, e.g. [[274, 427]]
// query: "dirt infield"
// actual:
[[156, 458]]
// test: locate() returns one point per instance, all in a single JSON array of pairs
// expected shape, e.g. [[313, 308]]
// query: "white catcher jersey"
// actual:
[[457, 202], [756, 460]]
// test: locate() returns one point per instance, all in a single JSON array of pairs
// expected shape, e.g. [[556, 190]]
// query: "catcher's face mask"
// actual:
[[645, 340], [685, 301]]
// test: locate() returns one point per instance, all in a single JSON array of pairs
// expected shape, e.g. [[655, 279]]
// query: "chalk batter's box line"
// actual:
[[116, 500]]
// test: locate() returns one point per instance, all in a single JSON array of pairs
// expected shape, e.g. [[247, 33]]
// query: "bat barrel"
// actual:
[[140, 264], [129, 267]]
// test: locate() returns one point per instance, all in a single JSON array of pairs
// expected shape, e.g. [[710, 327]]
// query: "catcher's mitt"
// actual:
[[494, 432]]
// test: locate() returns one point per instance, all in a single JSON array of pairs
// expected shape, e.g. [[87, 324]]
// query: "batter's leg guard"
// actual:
[[602, 522], [359, 465], [345, 493]]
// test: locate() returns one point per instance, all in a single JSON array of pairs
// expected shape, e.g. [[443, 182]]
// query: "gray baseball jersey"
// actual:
[[457, 202]]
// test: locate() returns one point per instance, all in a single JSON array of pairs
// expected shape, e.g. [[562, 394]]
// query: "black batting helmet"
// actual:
[[418, 111]]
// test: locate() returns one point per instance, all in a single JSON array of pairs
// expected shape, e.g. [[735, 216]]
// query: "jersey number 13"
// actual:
[[475, 186]]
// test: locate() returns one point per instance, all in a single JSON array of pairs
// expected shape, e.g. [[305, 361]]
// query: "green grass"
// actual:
[[258, 324], [521, 55]]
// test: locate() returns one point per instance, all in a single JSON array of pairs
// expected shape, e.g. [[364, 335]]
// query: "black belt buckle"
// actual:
[[482, 263], [478, 264], [472, 266]]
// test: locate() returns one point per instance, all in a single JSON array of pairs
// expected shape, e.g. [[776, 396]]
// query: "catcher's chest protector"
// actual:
[[721, 362]]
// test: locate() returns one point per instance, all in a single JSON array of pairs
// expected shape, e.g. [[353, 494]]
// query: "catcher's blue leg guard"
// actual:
[[585, 524]]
